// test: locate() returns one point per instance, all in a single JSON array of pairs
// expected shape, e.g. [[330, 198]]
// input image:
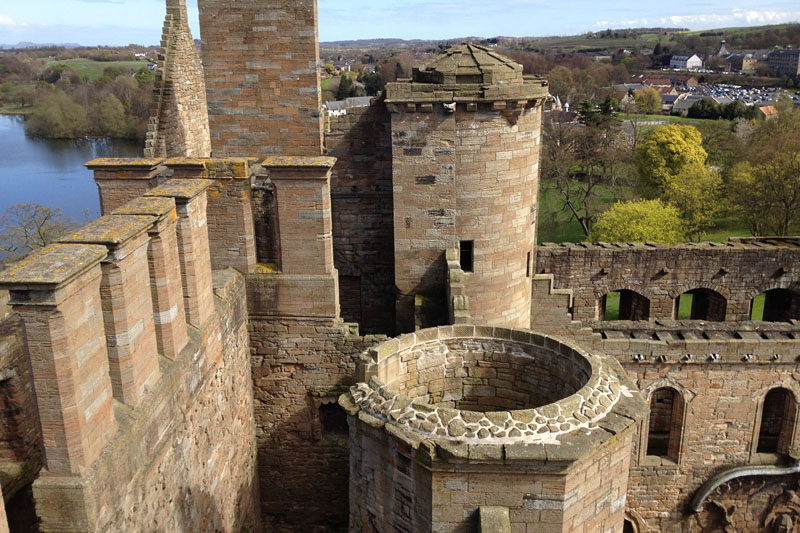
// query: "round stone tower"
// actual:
[[457, 427], [465, 155]]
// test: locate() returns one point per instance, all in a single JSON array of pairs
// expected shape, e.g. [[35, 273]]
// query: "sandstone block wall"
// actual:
[[261, 64], [361, 196], [721, 424], [432, 460], [121, 180], [231, 229], [179, 111], [739, 270], [185, 459], [299, 366]]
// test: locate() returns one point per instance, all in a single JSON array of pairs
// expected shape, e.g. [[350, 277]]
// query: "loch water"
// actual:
[[51, 172]]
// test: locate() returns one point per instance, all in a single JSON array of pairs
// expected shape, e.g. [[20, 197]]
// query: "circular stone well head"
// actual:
[[484, 384]]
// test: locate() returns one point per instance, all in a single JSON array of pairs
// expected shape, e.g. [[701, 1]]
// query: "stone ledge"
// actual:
[[184, 189], [157, 206], [51, 267], [290, 162], [110, 230]]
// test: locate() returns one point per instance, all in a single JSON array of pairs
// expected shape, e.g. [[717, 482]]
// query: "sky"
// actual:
[[120, 22]]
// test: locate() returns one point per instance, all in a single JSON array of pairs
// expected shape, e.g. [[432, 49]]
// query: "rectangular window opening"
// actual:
[[467, 256]]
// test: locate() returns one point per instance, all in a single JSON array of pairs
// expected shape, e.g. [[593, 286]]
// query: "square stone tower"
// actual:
[[261, 63]]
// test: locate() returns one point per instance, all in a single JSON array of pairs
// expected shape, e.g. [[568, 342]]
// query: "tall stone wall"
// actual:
[[299, 367], [261, 63], [179, 111], [361, 195], [739, 270]]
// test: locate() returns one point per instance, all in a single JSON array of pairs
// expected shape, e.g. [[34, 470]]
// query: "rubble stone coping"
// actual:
[[111, 230], [465, 386], [50, 268], [215, 168], [181, 189], [298, 162], [155, 206]]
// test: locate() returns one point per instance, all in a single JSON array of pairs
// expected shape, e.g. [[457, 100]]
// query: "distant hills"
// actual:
[[25, 44]]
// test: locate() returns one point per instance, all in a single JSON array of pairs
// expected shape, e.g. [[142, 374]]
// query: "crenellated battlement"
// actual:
[[105, 314]]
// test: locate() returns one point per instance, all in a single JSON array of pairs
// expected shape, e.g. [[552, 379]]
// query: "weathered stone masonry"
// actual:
[[261, 65], [179, 112], [178, 452]]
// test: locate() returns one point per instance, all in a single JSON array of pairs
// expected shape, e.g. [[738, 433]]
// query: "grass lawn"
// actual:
[[326, 83], [757, 312], [685, 306], [612, 306], [556, 224], [91, 70], [661, 118]]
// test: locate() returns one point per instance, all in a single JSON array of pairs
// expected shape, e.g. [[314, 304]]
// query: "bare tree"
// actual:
[[26, 227]]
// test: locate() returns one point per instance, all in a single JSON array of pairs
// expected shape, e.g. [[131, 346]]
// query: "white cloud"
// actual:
[[6, 21], [736, 17]]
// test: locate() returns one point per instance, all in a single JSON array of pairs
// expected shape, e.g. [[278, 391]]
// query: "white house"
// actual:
[[685, 62]]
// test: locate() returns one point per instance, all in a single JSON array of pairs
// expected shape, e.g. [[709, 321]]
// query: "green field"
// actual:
[[582, 42], [663, 118], [556, 224], [612, 306], [90, 70], [13, 109]]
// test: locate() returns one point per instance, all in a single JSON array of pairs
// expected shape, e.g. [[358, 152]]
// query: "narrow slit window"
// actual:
[[467, 256], [528, 266]]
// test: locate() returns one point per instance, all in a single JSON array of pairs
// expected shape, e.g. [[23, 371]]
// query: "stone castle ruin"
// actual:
[[287, 320]]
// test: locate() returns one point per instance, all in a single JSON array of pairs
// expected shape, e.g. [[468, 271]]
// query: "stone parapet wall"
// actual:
[[4, 309], [673, 341], [176, 446], [231, 230], [189, 448], [739, 270], [422, 461]]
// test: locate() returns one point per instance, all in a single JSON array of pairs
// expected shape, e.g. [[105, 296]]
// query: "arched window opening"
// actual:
[[628, 527], [777, 422], [664, 430], [778, 305], [701, 304], [624, 305]]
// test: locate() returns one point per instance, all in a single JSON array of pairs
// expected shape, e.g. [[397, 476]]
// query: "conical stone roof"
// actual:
[[467, 64], [468, 74]]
